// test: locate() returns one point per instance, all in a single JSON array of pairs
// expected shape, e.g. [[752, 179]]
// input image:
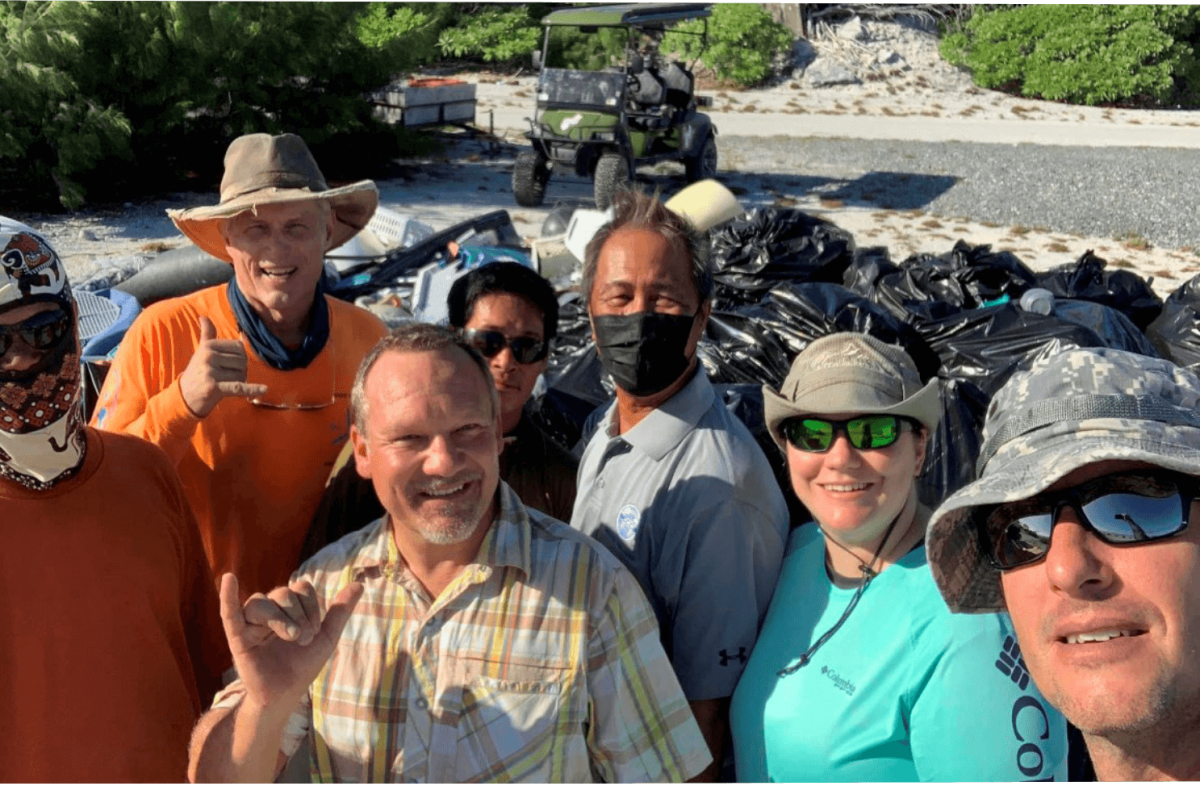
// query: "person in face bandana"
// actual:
[[672, 483], [110, 636]]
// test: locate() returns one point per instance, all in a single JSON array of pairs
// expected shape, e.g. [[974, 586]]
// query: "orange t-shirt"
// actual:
[[253, 474], [110, 635]]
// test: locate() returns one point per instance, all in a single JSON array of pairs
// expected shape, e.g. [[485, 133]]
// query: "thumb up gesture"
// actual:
[[217, 369]]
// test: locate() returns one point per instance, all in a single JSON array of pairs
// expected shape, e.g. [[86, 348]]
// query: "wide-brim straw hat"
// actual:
[[851, 374], [261, 169]]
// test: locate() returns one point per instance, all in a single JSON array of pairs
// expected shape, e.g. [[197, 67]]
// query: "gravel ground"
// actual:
[[1107, 192], [1129, 193]]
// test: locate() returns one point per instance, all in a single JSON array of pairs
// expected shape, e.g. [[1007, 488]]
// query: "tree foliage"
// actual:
[[104, 98], [743, 41], [496, 34], [1087, 54], [406, 32]]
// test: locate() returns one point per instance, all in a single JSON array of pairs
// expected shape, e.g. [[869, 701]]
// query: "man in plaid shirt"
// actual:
[[460, 637]]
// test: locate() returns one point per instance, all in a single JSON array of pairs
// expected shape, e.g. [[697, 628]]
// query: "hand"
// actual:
[[279, 641], [217, 369]]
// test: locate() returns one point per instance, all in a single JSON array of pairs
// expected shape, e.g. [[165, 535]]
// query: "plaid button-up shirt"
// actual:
[[540, 662]]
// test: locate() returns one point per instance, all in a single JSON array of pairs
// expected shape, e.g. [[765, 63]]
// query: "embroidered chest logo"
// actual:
[[839, 682], [739, 656], [628, 520], [1012, 665]]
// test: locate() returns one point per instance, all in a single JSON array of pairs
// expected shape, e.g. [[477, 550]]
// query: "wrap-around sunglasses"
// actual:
[[870, 432], [1121, 509], [40, 331], [525, 349]]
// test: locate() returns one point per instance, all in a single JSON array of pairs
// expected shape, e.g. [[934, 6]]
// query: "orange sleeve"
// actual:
[[141, 394]]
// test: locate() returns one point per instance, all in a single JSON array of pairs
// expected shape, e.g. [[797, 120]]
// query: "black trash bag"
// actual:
[[757, 343], [1176, 331], [867, 266], [966, 277], [950, 454], [561, 415], [581, 375], [979, 351], [743, 346], [1124, 290], [985, 345], [771, 245], [574, 330], [575, 385], [809, 311], [1112, 326]]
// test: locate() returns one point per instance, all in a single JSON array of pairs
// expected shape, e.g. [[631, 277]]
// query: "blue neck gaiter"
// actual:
[[264, 342]]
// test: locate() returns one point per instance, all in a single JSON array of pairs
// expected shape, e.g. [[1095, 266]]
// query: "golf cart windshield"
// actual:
[[580, 88]]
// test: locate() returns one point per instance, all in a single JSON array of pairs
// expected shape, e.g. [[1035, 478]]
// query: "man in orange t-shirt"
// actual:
[[246, 386], [110, 636]]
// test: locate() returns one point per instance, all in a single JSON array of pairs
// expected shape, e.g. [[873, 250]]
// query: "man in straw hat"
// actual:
[[246, 386], [1080, 524], [112, 641]]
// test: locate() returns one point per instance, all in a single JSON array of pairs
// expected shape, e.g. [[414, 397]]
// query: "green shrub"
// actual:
[[406, 32], [1087, 54], [107, 100], [494, 34], [743, 41], [50, 133]]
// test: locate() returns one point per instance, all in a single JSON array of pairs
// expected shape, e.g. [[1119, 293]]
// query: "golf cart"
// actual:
[[604, 124]]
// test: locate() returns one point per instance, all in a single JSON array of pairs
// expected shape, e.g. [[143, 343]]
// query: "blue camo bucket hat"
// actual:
[[1067, 411]]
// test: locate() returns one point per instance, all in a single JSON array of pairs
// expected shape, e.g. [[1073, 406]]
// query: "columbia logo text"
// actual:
[[839, 682]]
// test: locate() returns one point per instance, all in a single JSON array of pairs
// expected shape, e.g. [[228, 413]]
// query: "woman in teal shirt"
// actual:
[[860, 672]]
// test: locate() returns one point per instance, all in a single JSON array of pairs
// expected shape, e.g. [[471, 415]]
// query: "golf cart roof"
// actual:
[[631, 14]]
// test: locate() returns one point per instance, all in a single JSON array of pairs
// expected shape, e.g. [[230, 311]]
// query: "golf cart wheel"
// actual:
[[703, 165], [530, 176], [612, 172]]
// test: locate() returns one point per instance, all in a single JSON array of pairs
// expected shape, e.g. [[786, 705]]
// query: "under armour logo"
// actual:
[[740, 656], [1011, 664]]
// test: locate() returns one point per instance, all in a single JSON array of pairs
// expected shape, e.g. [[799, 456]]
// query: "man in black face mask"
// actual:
[[672, 483]]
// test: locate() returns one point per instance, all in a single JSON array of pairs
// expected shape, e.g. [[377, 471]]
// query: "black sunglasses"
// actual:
[[1121, 509], [490, 343], [40, 331], [870, 432]]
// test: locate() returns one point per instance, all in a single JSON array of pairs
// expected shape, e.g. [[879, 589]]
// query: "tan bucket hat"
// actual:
[[851, 373], [261, 169]]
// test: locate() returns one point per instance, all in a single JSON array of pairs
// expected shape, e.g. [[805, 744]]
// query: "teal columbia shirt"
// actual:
[[903, 691]]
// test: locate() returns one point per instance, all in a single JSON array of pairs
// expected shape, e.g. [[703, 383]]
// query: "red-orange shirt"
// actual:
[[110, 637], [253, 474]]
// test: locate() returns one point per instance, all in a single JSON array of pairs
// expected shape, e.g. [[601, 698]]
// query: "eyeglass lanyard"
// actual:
[[869, 573]]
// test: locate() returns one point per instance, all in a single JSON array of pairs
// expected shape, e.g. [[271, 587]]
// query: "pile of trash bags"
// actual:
[[970, 317]]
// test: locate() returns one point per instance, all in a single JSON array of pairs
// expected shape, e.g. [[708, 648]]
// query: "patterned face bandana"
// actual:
[[42, 439]]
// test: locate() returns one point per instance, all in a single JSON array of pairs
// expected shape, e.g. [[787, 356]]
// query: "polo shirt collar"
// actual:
[[507, 542], [662, 430]]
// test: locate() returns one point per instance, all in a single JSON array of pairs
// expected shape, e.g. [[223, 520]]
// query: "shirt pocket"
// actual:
[[515, 719]]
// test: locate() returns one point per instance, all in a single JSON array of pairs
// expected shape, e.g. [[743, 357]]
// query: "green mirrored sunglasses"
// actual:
[[870, 432]]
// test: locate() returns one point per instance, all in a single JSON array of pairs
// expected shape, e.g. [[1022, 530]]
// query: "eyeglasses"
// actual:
[[1134, 507], [870, 432], [40, 331], [490, 343]]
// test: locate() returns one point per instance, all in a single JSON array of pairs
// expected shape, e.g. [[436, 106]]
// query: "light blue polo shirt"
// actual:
[[687, 500]]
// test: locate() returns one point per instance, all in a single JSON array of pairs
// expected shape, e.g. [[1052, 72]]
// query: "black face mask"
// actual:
[[644, 353]]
